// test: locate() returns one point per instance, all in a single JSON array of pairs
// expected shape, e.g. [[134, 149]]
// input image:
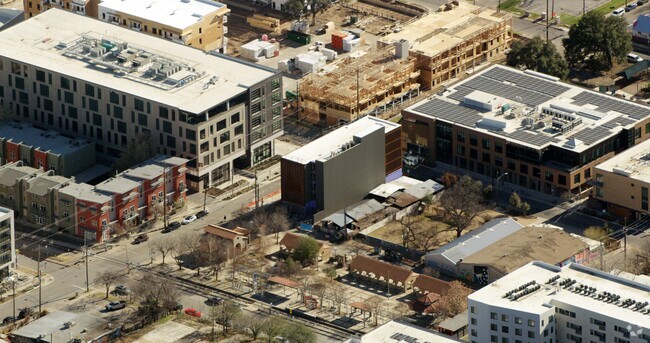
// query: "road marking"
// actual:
[[82, 288]]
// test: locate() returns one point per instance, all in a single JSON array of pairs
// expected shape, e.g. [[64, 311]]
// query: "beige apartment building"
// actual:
[[622, 182], [108, 84], [38, 205], [197, 23]]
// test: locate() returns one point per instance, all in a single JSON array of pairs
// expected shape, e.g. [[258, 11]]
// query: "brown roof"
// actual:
[[380, 269], [290, 240], [430, 284], [540, 243], [401, 199], [360, 305], [284, 282], [223, 232], [242, 231]]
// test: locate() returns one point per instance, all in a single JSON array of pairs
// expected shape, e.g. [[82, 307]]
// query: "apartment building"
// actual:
[[108, 84], [622, 182], [540, 302], [7, 241], [545, 134], [38, 198], [47, 150], [85, 211], [449, 43], [12, 177], [340, 168], [196, 23]]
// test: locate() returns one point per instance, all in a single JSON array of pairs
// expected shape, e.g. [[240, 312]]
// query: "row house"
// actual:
[[38, 205], [11, 178]]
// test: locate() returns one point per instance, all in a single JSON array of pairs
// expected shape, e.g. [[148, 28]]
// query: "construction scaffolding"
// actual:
[[354, 86]]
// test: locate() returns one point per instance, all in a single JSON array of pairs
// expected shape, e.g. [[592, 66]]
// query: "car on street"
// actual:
[[143, 237], [178, 307], [116, 305], [630, 6], [121, 289], [192, 312], [214, 301], [202, 214], [634, 58], [188, 219], [641, 2], [8, 320], [171, 227], [618, 12]]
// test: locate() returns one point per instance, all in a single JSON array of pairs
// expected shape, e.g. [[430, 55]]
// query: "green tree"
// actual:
[[316, 7], [515, 201], [538, 55], [299, 333], [596, 41], [294, 8], [139, 149], [596, 232], [273, 327], [524, 207], [306, 251], [462, 203]]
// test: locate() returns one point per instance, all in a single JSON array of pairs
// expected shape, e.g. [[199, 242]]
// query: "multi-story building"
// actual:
[[38, 198], [85, 211], [622, 182], [11, 190], [540, 302], [110, 85], [47, 150], [197, 23], [7, 241], [340, 168], [545, 134], [449, 43]]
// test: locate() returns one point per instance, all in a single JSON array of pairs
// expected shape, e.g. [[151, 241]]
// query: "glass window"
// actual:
[[90, 90], [138, 104], [221, 125]]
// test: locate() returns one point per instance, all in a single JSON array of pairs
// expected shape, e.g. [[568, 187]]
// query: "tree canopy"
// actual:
[[596, 41], [462, 203], [294, 8], [538, 55], [306, 251]]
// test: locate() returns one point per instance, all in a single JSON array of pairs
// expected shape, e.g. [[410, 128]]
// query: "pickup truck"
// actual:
[[116, 305]]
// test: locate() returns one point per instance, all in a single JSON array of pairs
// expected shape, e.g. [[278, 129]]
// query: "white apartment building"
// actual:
[[7, 241], [542, 303]]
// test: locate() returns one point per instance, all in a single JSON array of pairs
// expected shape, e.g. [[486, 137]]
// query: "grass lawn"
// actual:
[[508, 5], [568, 19], [605, 9]]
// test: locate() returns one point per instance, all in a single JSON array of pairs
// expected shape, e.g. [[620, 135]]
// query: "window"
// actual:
[[90, 90], [20, 82], [473, 140], [256, 108], [65, 83], [644, 198], [121, 126], [276, 97], [235, 118], [504, 318], [523, 168], [138, 104], [504, 329], [531, 323], [93, 105], [518, 331], [224, 137], [473, 321], [221, 125], [498, 147], [277, 126], [44, 90], [142, 119], [257, 121], [531, 334], [275, 84], [493, 315], [239, 130], [486, 143], [167, 126], [276, 112], [576, 178], [68, 97], [460, 136]]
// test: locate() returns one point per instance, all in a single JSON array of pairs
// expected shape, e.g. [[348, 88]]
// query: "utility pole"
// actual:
[[205, 198], [164, 199], [498, 6], [13, 288], [256, 190], [584, 7], [86, 260], [358, 93], [602, 252], [40, 281], [547, 15], [625, 244]]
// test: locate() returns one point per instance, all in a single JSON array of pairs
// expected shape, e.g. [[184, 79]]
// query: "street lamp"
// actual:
[[497, 186]]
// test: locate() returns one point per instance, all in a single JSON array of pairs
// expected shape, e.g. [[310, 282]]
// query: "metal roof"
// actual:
[[423, 189]]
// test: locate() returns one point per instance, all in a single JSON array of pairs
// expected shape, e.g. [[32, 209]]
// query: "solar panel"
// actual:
[[607, 103], [591, 135], [460, 93], [509, 92], [535, 139], [623, 121], [450, 112], [526, 81]]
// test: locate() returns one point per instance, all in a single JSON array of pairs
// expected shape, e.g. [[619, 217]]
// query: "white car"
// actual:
[[188, 219], [618, 12], [634, 58]]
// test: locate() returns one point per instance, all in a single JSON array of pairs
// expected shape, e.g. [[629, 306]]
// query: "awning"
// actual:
[[634, 69], [284, 282], [360, 306]]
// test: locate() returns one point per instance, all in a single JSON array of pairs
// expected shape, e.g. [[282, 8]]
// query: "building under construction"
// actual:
[[344, 91], [457, 38]]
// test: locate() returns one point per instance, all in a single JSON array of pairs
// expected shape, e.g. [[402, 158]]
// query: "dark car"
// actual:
[[141, 238], [116, 305], [121, 289], [8, 320], [641, 2], [178, 307], [201, 214], [171, 227], [630, 7], [214, 301]]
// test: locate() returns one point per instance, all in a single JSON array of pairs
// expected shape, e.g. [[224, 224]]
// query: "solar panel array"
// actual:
[[450, 112], [526, 81], [530, 137], [591, 135], [623, 121], [405, 338], [510, 92], [460, 93], [607, 103]]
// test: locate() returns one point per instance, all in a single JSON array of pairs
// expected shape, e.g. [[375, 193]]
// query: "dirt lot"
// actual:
[[371, 19], [393, 231]]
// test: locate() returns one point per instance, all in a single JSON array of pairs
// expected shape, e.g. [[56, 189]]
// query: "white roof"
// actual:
[[397, 332], [35, 42], [332, 142], [46, 141], [118, 185], [633, 162], [85, 192], [541, 273], [174, 13]]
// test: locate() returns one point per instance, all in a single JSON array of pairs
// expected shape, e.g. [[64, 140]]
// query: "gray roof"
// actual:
[[51, 327], [480, 238], [50, 141], [85, 192], [41, 184], [10, 174], [421, 190], [118, 185], [455, 323], [154, 167], [10, 16], [364, 209]]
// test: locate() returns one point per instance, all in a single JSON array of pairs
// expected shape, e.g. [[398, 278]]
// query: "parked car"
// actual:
[[143, 237], [641, 2], [188, 219], [8, 320], [121, 289], [116, 305], [171, 227], [618, 12], [177, 307], [202, 214], [214, 301], [193, 312], [630, 6], [25, 312], [634, 58]]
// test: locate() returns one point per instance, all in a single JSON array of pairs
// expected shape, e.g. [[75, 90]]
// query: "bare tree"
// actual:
[[215, 254], [272, 327], [6, 113], [260, 221], [191, 243], [138, 150], [337, 295], [252, 323], [319, 286], [453, 301], [376, 305], [225, 314], [156, 295], [462, 203], [164, 246], [177, 253], [279, 222], [108, 278], [410, 227]]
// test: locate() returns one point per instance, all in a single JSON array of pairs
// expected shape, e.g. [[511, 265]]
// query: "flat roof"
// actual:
[[178, 14], [57, 40], [440, 31], [532, 109], [545, 243], [397, 332], [633, 162], [10, 173], [553, 293], [85, 192], [117, 185], [51, 327], [331, 143], [46, 141], [4, 211], [153, 167], [41, 184]]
